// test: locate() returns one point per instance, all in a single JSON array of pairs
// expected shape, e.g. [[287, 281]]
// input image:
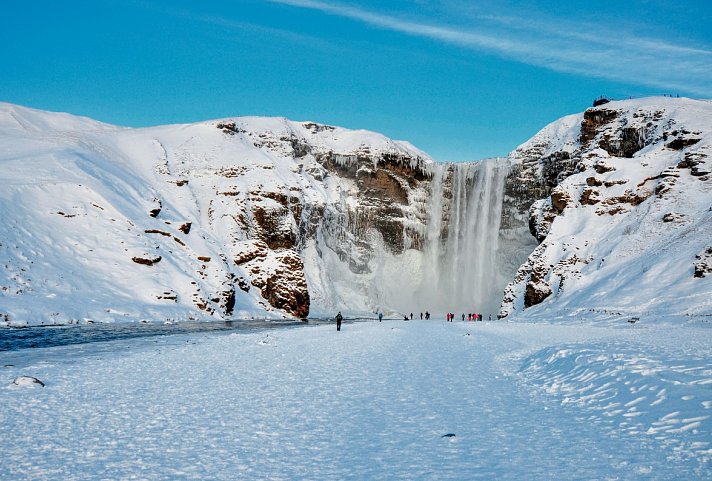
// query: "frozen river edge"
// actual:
[[374, 401]]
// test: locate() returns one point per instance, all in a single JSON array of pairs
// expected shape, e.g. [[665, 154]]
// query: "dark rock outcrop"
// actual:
[[146, 259], [703, 266], [537, 290]]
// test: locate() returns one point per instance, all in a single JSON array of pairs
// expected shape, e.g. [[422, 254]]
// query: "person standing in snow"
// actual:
[[339, 318], [411, 316], [421, 316], [463, 317], [380, 316]]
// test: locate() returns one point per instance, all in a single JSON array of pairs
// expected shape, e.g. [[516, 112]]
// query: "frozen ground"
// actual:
[[524, 401]]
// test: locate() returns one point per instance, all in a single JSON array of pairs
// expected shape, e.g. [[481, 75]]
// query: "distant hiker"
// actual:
[[490, 317], [380, 316], [469, 317], [339, 318], [411, 316], [405, 317], [427, 315], [480, 317], [463, 317], [447, 317], [421, 316]]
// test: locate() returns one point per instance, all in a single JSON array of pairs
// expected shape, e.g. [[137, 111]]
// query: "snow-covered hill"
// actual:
[[627, 229], [266, 217], [102, 223]]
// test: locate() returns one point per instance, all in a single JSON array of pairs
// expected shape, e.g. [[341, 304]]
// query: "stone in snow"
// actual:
[[27, 381]]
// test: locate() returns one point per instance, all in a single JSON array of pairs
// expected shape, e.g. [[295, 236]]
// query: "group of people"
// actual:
[[470, 317], [449, 316]]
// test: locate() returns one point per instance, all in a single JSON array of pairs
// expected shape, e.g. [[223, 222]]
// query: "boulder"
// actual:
[[559, 200], [146, 259], [673, 217], [536, 293], [590, 196], [185, 227]]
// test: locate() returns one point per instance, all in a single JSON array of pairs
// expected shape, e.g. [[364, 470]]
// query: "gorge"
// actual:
[[264, 217]]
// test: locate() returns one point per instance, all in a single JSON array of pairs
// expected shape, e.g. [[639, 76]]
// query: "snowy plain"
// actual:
[[374, 401]]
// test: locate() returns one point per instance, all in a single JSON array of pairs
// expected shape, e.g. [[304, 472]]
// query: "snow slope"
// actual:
[[375, 401], [270, 218], [625, 231], [87, 207]]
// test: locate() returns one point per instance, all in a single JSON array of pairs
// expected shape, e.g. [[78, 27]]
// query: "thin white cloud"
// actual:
[[607, 54]]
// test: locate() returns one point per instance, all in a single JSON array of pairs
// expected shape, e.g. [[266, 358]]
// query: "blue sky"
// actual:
[[460, 79]]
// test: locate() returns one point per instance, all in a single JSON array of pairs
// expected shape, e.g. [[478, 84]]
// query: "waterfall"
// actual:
[[462, 238], [455, 269]]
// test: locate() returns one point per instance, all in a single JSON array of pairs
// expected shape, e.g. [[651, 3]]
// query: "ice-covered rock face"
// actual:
[[620, 203]]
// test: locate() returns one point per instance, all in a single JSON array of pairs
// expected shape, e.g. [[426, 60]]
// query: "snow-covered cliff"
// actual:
[[187, 221], [266, 217], [624, 214], [234, 218]]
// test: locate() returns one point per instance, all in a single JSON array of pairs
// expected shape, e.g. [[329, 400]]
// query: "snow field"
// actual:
[[370, 402], [632, 390]]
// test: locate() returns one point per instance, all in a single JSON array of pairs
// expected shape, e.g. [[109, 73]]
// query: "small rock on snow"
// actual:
[[27, 381]]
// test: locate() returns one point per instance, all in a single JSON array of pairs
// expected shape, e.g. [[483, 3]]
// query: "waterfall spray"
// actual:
[[462, 240]]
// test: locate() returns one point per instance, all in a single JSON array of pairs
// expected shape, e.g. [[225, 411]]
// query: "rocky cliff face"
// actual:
[[611, 191], [370, 191]]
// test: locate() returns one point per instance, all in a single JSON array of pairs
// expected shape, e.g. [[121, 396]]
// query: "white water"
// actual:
[[455, 272], [460, 265]]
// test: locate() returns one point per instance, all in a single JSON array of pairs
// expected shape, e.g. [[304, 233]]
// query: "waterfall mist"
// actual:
[[462, 239], [452, 251]]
